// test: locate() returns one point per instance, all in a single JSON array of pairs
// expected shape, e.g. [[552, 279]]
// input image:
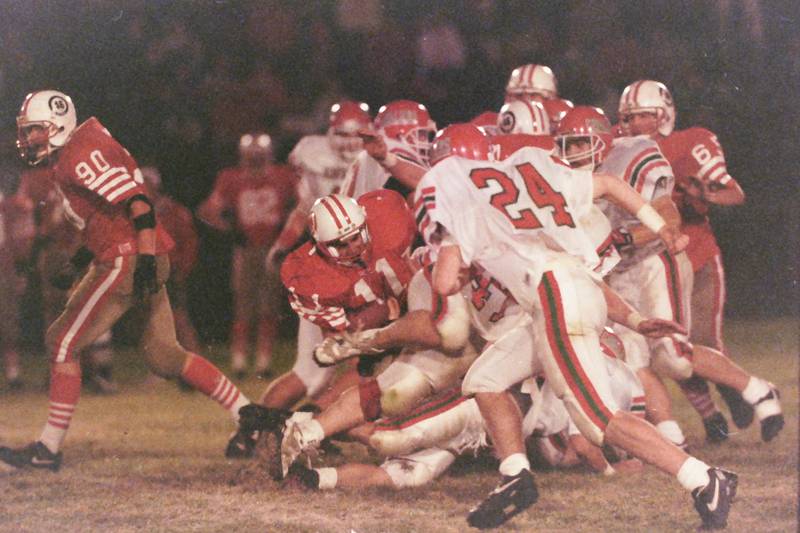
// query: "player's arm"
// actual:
[[213, 210], [143, 217], [290, 234], [405, 172], [620, 193], [624, 313], [639, 235], [717, 193]]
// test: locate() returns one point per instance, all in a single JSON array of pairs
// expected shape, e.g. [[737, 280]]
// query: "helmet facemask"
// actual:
[[349, 249], [33, 140], [587, 159]]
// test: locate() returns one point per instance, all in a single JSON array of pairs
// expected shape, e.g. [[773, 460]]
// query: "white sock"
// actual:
[[693, 474], [312, 431], [671, 431], [514, 464], [327, 478], [240, 402], [755, 390]]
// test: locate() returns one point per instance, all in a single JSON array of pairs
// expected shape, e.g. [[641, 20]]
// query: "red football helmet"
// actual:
[[487, 121], [463, 140], [339, 227], [556, 109], [408, 122], [585, 124], [345, 119]]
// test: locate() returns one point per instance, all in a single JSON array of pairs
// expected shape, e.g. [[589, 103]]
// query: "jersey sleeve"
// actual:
[[650, 173], [705, 159], [330, 317]]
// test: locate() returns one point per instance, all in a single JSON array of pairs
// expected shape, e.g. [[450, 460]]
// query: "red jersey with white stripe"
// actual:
[[695, 154], [95, 176], [327, 293], [259, 202], [366, 174], [639, 162], [179, 223]]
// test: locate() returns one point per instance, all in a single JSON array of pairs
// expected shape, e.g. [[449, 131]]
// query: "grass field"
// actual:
[[150, 459]]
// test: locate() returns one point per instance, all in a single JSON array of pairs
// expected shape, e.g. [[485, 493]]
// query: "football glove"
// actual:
[[145, 282], [334, 349]]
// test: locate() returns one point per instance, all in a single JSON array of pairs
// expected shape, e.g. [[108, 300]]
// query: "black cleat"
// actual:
[[716, 428], [34, 455], [713, 502], [254, 417], [241, 444], [768, 411], [741, 411], [511, 497], [303, 477]]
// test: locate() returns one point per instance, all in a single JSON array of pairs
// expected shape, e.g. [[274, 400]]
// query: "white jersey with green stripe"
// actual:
[[639, 162], [513, 217]]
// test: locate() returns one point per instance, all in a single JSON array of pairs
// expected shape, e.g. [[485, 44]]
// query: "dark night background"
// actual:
[[178, 82]]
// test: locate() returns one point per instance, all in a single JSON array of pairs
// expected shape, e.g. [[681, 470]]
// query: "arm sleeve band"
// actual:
[[145, 221]]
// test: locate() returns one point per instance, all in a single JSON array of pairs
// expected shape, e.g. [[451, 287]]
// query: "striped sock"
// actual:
[[65, 389], [205, 377], [699, 395]]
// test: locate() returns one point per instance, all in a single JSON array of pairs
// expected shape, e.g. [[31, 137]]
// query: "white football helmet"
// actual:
[[523, 116], [531, 79], [44, 123], [648, 96], [336, 222]]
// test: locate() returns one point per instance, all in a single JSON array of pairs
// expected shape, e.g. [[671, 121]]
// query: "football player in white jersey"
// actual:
[[653, 279], [520, 219], [321, 162], [396, 155]]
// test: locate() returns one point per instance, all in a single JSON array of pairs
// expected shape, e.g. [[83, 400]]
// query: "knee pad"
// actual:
[[405, 393], [593, 433], [670, 361], [452, 322]]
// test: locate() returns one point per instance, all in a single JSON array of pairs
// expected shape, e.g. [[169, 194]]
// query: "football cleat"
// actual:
[[716, 428], [741, 411], [713, 502], [511, 497], [769, 414], [241, 444], [34, 455], [303, 477]]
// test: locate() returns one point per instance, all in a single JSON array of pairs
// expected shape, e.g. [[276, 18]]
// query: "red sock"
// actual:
[[205, 377], [65, 389]]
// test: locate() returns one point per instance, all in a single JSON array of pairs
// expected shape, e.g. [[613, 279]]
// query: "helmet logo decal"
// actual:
[[58, 105], [507, 122]]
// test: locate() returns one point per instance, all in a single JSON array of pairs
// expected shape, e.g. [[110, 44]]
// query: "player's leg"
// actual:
[[243, 311], [574, 369], [101, 297], [9, 326], [708, 302], [97, 360]]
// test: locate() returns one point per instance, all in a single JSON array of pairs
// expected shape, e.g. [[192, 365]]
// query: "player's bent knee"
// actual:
[[672, 366], [405, 393], [593, 430], [407, 474]]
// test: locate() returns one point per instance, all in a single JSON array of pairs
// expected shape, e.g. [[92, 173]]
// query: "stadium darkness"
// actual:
[[176, 82]]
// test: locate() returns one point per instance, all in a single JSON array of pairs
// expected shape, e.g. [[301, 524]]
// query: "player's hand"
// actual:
[[657, 327], [675, 240], [621, 238], [275, 257], [145, 282], [338, 348], [374, 144]]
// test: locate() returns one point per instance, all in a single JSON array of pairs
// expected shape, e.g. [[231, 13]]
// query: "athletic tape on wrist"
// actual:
[[650, 218]]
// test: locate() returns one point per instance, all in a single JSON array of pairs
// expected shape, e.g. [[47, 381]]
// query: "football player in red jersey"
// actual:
[[252, 200], [701, 179], [103, 194], [353, 275]]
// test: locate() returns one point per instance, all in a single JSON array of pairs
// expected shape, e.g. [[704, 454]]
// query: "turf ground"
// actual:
[[150, 459]]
